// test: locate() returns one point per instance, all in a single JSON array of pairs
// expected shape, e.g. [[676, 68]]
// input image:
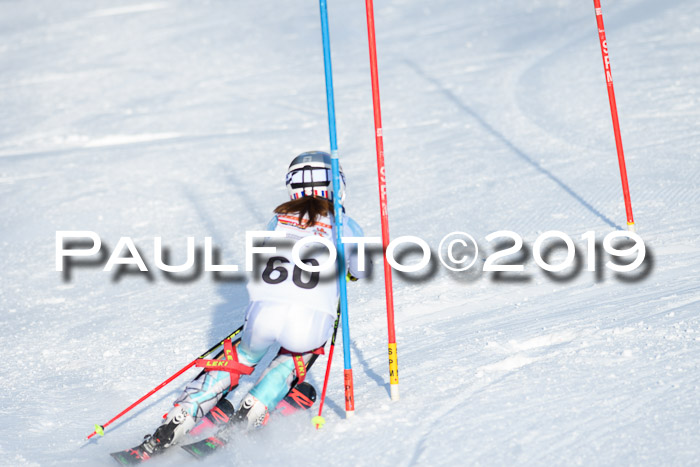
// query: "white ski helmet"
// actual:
[[310, 174]]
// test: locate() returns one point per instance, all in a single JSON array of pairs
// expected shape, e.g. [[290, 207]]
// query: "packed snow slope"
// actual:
[[178, 118]]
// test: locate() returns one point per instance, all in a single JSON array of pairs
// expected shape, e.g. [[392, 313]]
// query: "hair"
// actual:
[[309, 206]]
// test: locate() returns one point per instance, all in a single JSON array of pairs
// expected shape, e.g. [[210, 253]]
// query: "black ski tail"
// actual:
[[131, 456]]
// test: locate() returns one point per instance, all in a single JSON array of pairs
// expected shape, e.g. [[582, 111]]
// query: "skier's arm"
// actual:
[[270, 227], [272, 224], [352, 229]]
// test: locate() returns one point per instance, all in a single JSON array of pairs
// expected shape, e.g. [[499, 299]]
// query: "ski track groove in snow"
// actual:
[[503, 140]]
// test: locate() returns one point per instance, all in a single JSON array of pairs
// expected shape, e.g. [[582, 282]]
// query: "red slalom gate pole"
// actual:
[[383, 205], [613, 111]]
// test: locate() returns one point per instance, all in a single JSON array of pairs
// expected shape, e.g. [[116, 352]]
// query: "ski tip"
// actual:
[[318, 421], [349, 413]]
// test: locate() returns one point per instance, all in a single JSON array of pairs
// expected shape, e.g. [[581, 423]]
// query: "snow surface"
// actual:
[[178, 118]]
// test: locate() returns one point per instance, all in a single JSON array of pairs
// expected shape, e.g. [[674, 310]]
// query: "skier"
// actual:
[[288, 307]]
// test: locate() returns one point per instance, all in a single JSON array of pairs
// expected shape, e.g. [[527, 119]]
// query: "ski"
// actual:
[[301, 397], [219, 415]]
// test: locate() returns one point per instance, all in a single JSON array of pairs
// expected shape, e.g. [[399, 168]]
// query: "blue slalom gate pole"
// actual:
[[338, 208]]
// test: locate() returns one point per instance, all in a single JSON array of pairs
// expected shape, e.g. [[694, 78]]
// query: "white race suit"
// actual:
[[289, 307]]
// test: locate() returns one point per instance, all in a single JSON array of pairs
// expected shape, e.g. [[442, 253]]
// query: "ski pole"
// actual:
[[99, 429], [318, 420], [338, 209]]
